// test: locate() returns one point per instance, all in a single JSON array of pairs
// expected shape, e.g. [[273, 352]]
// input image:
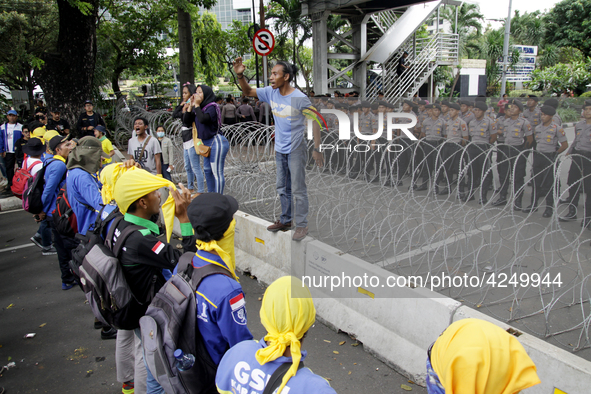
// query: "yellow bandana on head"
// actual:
[[134, 185], [49, 134], [475, 356], [39, 132], [108, 177], [224, 248], [287, 312]]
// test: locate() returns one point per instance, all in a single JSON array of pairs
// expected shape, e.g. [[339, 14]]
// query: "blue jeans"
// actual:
[[214, 164], [193, 168], [45, 231], [291, 180], [165, 173]]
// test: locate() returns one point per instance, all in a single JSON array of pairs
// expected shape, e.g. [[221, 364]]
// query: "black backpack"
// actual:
[[104, 283], [92, 237], [170, 323], [64, 217]]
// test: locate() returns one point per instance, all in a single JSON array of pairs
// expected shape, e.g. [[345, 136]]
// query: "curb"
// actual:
[[10, 204]]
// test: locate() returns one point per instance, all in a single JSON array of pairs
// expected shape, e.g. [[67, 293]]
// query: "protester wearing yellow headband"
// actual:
[[473, 356], [287, 313], [110, 175], [39, 132]]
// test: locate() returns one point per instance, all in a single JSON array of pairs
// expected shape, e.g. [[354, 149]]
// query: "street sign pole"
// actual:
[[254, 21], [506, 50], [265, 63]]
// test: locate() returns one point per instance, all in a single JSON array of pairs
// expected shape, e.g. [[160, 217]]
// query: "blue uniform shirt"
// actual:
[[83, 188], [55, 177], [239, 372], [221, 309]]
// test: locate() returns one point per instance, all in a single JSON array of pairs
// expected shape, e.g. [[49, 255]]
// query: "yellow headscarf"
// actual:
[[224, 248], [134, 185], [287, 313], [108, 177], [39, 132], [475, 356], [49, 134]]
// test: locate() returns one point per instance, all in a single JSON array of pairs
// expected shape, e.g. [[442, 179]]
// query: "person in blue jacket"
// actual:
[[55, 177], [287, 313], [82, 183]]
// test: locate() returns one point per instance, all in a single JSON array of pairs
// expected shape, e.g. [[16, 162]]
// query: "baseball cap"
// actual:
[[88, 102], [213, 212], [55, 141], [101, 128], [56, 109], [12, 112]]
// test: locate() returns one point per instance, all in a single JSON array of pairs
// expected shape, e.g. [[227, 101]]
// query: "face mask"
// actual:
[[160, 134]]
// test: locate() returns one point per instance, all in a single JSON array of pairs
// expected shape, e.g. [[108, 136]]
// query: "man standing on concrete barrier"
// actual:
[[290, 108]]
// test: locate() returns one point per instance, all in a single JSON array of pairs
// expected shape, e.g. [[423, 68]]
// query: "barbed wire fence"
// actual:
[[376, 215]]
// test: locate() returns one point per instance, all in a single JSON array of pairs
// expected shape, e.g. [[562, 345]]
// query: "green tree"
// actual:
[[567, 24], [287, 16], [469, 24], [27, 29], [528, 29], [556, 79], [133, 37], [210, 47]]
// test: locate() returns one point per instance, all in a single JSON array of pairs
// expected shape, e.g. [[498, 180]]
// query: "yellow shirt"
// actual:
[[107, 148]]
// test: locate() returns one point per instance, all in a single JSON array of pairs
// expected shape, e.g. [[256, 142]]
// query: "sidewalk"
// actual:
[[67, 355]]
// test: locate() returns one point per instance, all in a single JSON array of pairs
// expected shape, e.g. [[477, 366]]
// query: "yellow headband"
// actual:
[[475, 356], [109, 177], [287, 312], [224, 248], [134, 185]]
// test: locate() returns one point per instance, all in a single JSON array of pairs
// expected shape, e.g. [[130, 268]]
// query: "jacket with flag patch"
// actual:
[[144, 255], [221, 309]]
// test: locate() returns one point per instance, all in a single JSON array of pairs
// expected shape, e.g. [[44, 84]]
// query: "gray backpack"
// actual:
[[170, 323], [104, 284]]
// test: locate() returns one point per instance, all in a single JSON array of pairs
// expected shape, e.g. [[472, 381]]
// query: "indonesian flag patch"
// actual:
[[158, 247], [238, 309]]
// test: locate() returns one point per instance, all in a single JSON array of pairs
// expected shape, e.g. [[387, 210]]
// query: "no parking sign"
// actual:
[[263, 42]]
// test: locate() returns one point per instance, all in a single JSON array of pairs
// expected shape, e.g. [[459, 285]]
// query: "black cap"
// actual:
[[480, 105], [533, 97], [88, 102], [429, 106], [551, 102], [34, 147], [480, 98], [211, 214], [422, 102], [587, 103], [365, 104], [517, 103], [56, 109], [375, 106], [101, 128], [437, 106], [55, 141], [548, 110], [383, 102], [454, 106], [333, 102], [445, 102], [409, 103], [466, 102]]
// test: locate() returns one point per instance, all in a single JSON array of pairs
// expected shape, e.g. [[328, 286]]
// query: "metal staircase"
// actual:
[[425, 55], [378, 24]]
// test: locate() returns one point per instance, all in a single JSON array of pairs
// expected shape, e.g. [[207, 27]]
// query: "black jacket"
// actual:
[[84, 121]]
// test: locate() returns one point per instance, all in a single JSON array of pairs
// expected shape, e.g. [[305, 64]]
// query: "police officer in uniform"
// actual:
[[368, 124], [548, 136], [433, 130], [511, 131], [466, 115], [579, 174], [554, 104], [483, 134], [445, 110], [456, 133]]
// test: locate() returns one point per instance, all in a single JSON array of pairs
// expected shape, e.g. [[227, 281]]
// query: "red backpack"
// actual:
[[19, 181]]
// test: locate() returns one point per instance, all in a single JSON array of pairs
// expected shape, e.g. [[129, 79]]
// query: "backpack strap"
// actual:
[[275, 379], [196, 275], [127, 231]]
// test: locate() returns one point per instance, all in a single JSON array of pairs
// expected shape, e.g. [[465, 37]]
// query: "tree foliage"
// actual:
[[567, 24], [556, 79]]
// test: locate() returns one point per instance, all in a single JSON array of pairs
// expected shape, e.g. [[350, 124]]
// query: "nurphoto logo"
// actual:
[[345, 130]]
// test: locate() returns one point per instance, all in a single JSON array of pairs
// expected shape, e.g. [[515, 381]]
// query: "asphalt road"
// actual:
[[67, 355]]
